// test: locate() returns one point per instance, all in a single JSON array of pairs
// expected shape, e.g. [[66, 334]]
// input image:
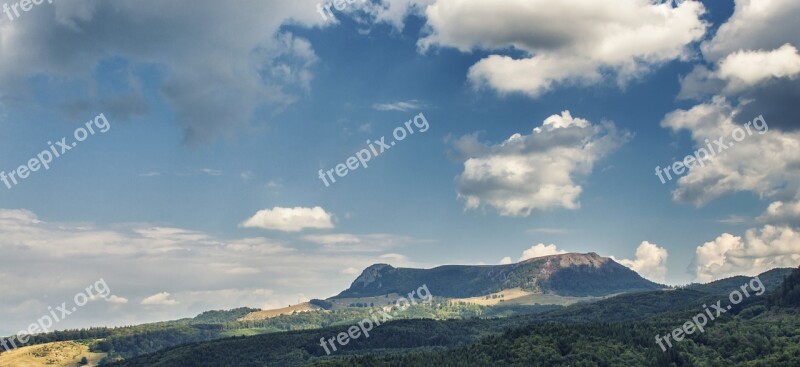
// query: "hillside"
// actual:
[[58, 354], [617, 331], [296, 330], [268, 314], [578, 275]]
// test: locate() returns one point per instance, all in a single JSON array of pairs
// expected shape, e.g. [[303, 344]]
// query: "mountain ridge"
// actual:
[[570, 274]]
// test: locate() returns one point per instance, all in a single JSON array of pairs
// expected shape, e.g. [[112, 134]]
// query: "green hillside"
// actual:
[[618, 331]]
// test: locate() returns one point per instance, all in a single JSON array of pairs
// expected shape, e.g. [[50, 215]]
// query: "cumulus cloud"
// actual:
[[539, 251], [753, 58], [650, 261], [370, 13], [753, 64], [506, 260], [394, 12], [758, 251], [539, 171], [564, 42], [779, 212], [754, 25], [290, 219], [765, 164], [741, 71], [748, 68], [159, 299]]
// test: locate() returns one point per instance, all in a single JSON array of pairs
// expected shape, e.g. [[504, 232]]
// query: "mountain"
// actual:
[[566, 275], [616, 331]]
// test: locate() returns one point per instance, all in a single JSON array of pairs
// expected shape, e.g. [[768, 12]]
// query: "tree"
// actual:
[[83, 362]]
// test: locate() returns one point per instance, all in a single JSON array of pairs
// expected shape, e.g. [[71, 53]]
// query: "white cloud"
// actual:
[[754, 62], [734, 219], [116, 299], [748, 68], [257, 245], [396, 260], [219, 64], [398, 106], [234, 268], [351, 271], [506, 260], [139, 260], [22, 229], [539, 251], [564, 42], [345, 242], [370, 13], [237, 297], [741, 71], [394, 12], [754, 25], [290, 219], [159, 299], [759, 251], [650, 261], [764, 164], [782, 213], [540, 171]]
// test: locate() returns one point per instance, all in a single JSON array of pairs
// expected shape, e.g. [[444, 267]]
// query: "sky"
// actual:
[[207, 138]]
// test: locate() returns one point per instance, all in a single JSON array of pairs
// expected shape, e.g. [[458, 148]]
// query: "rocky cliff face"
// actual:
[[371, 275]]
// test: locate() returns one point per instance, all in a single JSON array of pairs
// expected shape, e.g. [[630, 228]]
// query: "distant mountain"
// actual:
[[617, 331], [566, 275]]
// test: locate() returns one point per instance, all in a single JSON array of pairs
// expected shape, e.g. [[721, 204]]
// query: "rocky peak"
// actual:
[[371, 274]]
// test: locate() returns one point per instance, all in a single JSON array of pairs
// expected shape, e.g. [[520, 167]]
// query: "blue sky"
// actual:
[[221, 116]]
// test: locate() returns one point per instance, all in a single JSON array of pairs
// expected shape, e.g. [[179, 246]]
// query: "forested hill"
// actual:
[[763, 330], [566, 275]]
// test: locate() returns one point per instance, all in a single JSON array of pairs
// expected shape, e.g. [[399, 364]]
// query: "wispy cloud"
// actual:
[[549, 230], [210, 172], [159, 299], [345, 242], [247, 175], [191, 172], [734, 219], [398, 106], [274, 184], [141, 262]]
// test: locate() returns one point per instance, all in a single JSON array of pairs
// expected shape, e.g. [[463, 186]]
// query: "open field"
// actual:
[[377, 301], [267, 314], [495, 298], [59, 354], [518, 296]]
